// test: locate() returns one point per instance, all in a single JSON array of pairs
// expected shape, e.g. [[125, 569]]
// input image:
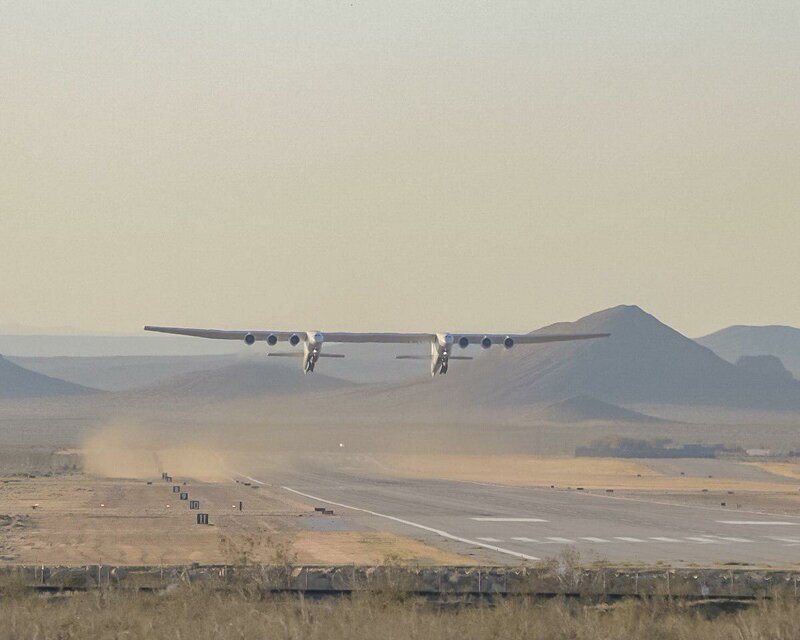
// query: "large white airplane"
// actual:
[[442, 344]]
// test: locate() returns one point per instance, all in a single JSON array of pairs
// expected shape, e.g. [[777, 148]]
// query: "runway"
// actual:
[[509, 525]]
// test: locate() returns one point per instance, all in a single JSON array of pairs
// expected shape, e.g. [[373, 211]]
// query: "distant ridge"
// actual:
[[243, 379], [589, 409], [18, 382], [120, 373], [765, 366], [643, 362], [741, 340]]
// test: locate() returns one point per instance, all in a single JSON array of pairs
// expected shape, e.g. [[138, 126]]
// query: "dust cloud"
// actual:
[[135, 451]]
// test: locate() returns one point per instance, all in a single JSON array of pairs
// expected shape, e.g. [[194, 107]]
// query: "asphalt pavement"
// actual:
[[508, 525]]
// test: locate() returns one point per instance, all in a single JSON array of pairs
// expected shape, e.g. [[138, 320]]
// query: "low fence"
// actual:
[[443, 581]]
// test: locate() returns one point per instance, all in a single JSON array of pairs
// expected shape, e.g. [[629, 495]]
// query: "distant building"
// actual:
[[758, 452]]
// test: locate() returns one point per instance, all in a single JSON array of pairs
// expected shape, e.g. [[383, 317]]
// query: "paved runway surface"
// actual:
[[501, 524]]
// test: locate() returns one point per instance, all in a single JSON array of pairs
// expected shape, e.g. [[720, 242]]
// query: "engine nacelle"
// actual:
[[486, 342], [249, 338], [508, 342], [272, 339], [463, 342], [294, 340]]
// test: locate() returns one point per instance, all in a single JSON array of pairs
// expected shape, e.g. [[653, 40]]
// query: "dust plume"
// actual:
[[134, 451]]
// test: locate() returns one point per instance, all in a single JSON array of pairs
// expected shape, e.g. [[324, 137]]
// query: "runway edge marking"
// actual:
[[236, 473], [440, 532]]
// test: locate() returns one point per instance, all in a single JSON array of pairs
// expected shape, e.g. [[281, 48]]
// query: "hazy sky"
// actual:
[[405, 165]]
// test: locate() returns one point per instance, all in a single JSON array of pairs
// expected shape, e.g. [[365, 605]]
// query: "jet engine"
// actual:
[[486, 342], [294, 340], [508, 342], [249, 338], [272, 339]]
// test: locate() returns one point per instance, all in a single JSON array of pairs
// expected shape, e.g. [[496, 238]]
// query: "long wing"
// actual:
[[527, 338], [221, 334], [387, 338]]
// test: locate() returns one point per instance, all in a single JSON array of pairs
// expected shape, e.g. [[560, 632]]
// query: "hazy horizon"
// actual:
[[405, 166], [28, 331]]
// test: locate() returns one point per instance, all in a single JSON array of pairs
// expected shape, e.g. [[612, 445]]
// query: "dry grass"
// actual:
[[786, 469], [515, 469], [370, 548], [198, 613], [592, 473]]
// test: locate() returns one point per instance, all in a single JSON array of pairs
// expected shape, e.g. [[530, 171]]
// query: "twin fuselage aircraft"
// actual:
[[441, 344]]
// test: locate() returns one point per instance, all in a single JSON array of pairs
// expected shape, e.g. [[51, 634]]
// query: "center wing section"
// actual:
[[386, 338]]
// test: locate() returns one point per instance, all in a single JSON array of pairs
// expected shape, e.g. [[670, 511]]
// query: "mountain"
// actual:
[[243, 379], [18, 382], [643, 362], [589, 409], [43, 346], [120, 373], [117, 363], [740, 340], [765, 366]]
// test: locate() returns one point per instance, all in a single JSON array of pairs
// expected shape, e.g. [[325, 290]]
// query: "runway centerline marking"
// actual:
[[417, 525], [626, 539], [501, 519], [700, 540], [593, 539], [775, 523], [561, 540], [731, 539], [664, 539]]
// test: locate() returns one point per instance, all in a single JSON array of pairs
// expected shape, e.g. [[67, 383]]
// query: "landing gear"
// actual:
[[311, 361], [440, 357]]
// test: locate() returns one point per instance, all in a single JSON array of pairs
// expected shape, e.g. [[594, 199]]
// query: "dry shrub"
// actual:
[[200, 612], [244, 550]]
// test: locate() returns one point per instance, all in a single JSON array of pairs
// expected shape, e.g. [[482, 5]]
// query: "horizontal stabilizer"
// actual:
[[299, 354], [428, 358]]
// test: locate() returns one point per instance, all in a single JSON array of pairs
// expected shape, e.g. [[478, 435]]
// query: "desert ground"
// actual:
[[130, 516], [436, 472], [106, 503]]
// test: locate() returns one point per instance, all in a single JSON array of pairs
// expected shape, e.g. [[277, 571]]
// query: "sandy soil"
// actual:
[[371, 548], [787, 469], [597, 473], [77, 519]]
